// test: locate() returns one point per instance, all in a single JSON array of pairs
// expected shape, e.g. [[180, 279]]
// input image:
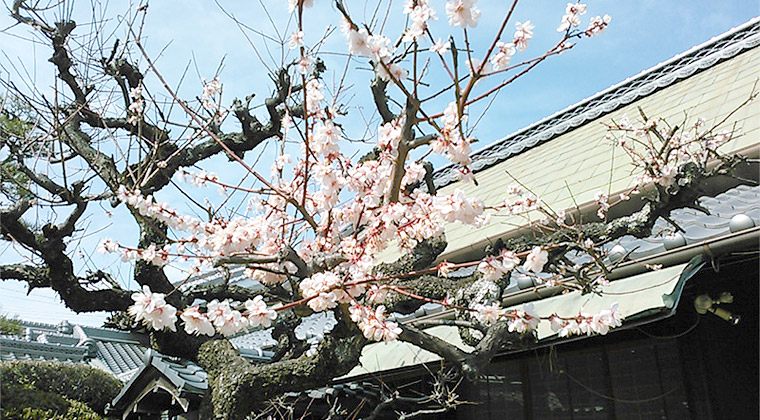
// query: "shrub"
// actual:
[[91, 386], [25, 403], [10, 326]]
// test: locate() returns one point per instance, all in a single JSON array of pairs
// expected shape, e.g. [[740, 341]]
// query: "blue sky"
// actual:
[[196, 32]]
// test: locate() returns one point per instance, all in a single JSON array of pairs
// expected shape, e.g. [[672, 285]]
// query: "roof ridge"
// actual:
[[28, 324], [680, 66]]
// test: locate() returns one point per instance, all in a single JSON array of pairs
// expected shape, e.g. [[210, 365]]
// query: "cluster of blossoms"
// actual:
[[505, 50], [524, 203], [314, 98], [377, 48], [211, 92], [451, 142], [658, 152], [493, 267], [520, 321], [526, 320], [463, 13], [137, 107], [326, 291], [218, 237], [373, 323], [572, 16], [588, 324], [602, 200], [198, 179], [152, 309], [420, 13], [597, 25], [151, 254]]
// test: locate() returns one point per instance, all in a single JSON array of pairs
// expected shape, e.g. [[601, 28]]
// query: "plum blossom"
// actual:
[[137, 107], [211, 90], [536, 260], [258, 313], [107, 246], [600, 323], [572, 16], [503, 56], [444, 268], [226, 320], [296, 40], [523, 33], [196, 322], [373, 323], [524, 321], [493, 267], [152, 310], [487, 314], [420, 13], [597, 25], [440, 48], [358, 42], [376, 294], [463, 13], [305, 65]]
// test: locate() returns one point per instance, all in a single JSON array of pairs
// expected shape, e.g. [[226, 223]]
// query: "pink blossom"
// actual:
[[463, 13], [487, 314], [503, 56], [296, 40], [523, 33], [152, 310], [598, 25], [440, 48], [373, 323], [258, 313], [226, 320], [107, 246], [494, 267], [524, 321], [536, 260], [196, 322]]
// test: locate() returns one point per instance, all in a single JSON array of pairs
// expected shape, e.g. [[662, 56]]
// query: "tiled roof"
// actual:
[[13, 349], [682, 66], [120, 353], [731, 205], [117, 352], [185, 375], [740, 204]]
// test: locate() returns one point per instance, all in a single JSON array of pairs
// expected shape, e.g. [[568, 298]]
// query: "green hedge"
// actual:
[[25, 403], [91, 386], [10, 326]]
